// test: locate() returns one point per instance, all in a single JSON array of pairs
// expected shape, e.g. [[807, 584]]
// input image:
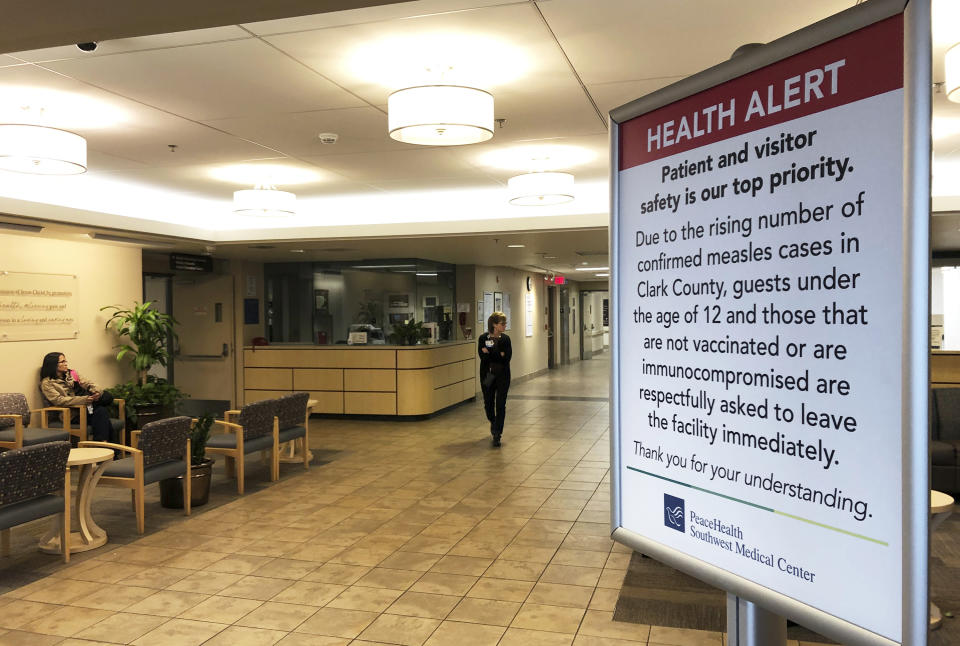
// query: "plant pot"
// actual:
[[149, 412], [171, 489]]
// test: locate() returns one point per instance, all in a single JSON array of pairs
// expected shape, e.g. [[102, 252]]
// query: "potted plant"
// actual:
[[409, 333], [201, 469], [155, 399], [145, 334]]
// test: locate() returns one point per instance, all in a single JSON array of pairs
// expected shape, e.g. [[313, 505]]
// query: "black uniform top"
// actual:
[[498, 356]]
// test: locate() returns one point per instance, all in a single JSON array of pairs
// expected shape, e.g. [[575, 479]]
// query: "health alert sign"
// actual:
[[759, 326]]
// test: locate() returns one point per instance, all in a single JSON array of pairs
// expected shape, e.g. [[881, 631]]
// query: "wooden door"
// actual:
[[203, 360]]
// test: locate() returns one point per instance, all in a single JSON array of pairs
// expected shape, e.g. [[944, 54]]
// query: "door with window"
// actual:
[[203, 358]]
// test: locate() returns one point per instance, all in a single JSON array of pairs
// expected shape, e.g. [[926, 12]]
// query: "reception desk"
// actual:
[[364, 380], [945, 369]]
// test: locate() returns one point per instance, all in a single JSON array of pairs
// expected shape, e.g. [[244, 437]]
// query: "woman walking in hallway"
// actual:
[[495, 352]]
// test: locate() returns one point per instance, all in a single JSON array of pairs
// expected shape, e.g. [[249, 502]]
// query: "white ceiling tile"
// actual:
[[224, 96], [612, 95], [518, 51], [141, 43], [359, 129], [626, 40], [7, 61], [369, 14], [425, 163], [214, 81], [439, 184]]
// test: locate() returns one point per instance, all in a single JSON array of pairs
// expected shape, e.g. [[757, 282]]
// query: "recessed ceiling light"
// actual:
[[592, 268], [551, 257], [426, 273], [296, 251], [604, 275], [516, 246]]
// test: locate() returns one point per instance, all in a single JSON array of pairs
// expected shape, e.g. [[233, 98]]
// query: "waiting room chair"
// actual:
[[255, 429], [293, 422], [118, 424], [945, 440], [15, 429], [160, 450], [35, 482]]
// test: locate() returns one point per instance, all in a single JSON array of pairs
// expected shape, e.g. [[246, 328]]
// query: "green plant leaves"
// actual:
[[148, 331]]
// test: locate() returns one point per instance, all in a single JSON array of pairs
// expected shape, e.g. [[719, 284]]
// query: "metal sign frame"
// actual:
[[916, 308]]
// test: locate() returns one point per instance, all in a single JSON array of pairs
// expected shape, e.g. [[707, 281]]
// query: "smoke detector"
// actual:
[[328, 137]]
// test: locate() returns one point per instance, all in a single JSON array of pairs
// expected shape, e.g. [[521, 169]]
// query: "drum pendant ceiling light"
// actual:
[[951, 64], [540, 189], [440, 115], [40, 150], [264, 201]]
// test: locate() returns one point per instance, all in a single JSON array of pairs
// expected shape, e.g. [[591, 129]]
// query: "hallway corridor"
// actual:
[[405, 533]]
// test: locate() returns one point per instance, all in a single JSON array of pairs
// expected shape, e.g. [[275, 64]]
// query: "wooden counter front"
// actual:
[[364, 380], [944, 369]]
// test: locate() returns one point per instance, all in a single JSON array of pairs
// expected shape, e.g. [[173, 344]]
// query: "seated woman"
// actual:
[[64, 387]]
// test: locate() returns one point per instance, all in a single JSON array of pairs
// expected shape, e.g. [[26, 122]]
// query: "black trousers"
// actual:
[[98, 423], [495, 402]]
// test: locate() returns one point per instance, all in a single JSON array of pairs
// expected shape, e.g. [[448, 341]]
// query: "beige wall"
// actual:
[[529, 353], [107, 275]]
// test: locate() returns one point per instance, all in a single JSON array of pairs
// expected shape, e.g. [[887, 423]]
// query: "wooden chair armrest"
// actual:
[[44, 421], [135, 438], [229, 427], [229, 414], [109, 445], [17, 426]]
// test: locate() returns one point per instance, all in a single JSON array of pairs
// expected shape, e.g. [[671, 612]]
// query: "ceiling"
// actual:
[[243, 83]]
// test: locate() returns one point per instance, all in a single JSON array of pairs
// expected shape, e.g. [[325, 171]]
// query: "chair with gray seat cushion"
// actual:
[[160, 450], [945, 440], [35, 482], [255, 429], [15, 429], [293, 421], [78, 427]]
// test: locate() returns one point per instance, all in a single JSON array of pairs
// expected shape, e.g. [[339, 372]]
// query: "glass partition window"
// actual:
[[363, 302]]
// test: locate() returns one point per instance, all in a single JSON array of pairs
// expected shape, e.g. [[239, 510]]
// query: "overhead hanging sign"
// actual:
[[758, 234]]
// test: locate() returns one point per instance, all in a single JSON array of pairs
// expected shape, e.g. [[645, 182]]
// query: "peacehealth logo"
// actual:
[[674, 517], [674, 513]]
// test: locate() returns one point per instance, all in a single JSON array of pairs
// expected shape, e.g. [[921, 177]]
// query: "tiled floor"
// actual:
[[417, 533]]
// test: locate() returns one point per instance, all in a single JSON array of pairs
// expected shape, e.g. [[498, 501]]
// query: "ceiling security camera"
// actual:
[[86, 47]]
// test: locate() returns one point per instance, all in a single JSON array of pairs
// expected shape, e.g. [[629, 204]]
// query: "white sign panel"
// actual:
[[530, 314], [38, 306], [760, 306]]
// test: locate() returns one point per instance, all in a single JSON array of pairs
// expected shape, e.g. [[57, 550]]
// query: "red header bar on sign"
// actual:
[[859, 65]]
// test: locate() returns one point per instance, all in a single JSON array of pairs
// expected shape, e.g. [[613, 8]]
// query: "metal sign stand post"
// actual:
[[750, 625]]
